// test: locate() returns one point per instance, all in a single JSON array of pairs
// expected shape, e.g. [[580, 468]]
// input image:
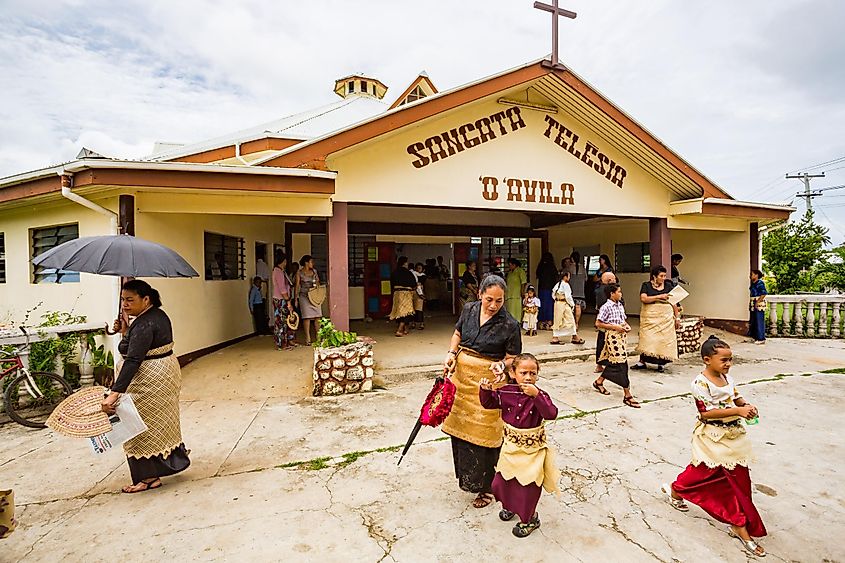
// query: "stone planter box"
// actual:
[[345, 369]]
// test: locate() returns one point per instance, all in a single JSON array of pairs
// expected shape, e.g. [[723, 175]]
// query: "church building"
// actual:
[[529, 160]]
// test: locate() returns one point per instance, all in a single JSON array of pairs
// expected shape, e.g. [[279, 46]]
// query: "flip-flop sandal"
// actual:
[[677, 504], [398, 334], [600, 388], [483, 500], [639, 366], [147, 487], [631, 402], [579, 341], [750, 546], [558, 343]]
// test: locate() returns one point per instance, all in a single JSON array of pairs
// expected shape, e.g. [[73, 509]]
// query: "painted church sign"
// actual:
[[486, 129]]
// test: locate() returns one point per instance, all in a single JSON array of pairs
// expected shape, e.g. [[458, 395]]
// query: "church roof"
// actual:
[[302, 126]]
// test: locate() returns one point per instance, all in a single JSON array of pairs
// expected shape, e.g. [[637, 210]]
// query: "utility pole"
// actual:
[[808, 194]]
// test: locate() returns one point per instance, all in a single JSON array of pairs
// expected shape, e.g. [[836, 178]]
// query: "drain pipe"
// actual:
[[67, 193], [238, 154]]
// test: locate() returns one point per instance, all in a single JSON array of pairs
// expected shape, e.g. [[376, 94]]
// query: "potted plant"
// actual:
[[102, 361], [342, 363]]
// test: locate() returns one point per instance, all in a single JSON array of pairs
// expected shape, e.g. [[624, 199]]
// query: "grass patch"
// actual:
[[835, 370], [777, 377], [352, 457], [316, 464]]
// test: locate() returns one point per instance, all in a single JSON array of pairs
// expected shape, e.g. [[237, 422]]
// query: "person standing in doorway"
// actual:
[[517, 281], [564, 321], [419, 297], [404, 286], [257, 308], [547, 277], [282, 302], [306, 279], [676, 274], [469, 285], [757, 305]]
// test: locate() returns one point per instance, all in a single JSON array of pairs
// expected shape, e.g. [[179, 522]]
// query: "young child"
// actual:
[[256, 306], [717, 477], [530, 309], [614, 354], [525, 463]]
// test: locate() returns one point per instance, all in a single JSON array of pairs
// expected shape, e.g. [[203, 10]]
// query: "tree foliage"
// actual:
[[792, 252], [829, 273]]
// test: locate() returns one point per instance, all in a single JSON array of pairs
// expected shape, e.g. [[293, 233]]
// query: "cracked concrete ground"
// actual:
[[301, 479]]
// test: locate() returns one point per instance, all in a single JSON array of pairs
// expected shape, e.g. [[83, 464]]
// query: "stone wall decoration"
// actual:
[[689, 335], [343, 369]]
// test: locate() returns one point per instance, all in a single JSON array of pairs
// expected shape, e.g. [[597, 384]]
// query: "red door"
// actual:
[[379, 261]]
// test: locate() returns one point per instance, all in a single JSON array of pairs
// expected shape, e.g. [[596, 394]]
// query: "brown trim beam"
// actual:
[[42, 186], [202, 180], [743, 211], [228, 151]]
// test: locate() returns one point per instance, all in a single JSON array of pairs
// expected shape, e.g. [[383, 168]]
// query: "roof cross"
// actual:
[[555, 11]]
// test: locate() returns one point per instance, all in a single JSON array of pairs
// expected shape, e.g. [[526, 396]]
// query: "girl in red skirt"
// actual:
[[717, 477], [526, 463]]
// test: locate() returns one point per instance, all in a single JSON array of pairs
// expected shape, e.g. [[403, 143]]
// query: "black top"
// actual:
[[547, 276], [150, 330], [601, 298], [498, 337], [469, 279], [649, 290], [403, 277]]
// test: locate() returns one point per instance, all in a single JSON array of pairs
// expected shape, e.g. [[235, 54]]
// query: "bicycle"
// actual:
[[29, 397]]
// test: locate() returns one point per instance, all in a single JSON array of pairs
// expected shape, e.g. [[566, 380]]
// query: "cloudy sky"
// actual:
[[745, 91]]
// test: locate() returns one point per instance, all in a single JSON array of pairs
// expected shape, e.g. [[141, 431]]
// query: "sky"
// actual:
[[745, 91]]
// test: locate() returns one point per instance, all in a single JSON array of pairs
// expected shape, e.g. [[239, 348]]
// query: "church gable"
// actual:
[[420, 88]]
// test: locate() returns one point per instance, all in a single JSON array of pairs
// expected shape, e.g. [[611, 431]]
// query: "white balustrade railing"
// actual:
[[819, 315]]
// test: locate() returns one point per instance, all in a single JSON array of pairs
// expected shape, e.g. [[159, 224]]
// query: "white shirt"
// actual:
[[563, 287]]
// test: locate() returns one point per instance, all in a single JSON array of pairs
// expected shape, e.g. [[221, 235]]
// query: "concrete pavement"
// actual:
[[299, 478]]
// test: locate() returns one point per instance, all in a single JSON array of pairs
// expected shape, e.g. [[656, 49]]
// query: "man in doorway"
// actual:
[[517, 281], [257, 307], [262, 270]]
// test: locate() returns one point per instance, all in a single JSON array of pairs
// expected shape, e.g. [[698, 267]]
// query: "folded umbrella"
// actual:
[[434, 411], [116, 255]]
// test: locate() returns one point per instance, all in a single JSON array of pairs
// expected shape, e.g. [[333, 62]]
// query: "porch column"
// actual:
[[754, 244], [337, 230], [660, 242]]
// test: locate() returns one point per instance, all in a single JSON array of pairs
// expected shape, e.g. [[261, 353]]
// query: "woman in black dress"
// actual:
[[486, 339], [659, 322], [150, 373], [404, 285]]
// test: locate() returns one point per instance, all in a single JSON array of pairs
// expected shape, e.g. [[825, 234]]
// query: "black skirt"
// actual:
[[645, 359], [474, 465], [617, 373], [159, 466]]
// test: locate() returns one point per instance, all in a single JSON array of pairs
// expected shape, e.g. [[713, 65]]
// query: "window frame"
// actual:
[[239, 255], [40, 275], [622, 265]]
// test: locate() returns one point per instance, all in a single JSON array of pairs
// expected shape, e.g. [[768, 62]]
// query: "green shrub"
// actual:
[[329, 337]]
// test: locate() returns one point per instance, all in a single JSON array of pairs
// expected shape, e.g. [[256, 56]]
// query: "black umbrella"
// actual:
[[116, 255]]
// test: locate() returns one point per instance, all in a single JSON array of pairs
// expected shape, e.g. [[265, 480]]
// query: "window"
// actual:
[[499, 250], [2, 257], [224, 257], [351, 86], [633, 258], [320, 254], [374, 88], [357, 248], [43, 240], [363, 87], [415, 94]]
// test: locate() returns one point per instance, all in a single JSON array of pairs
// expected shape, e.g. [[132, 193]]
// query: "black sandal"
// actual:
[[631, 402], [505, 515], [600, 388], [148, 485], [524, 530], [639, 365], [483, 500]]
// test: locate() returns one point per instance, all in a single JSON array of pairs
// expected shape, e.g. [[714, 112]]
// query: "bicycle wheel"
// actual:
[[31, 411]]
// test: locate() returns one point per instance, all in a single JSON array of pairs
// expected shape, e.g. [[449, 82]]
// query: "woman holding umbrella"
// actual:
[[486, 339], [150, 372]]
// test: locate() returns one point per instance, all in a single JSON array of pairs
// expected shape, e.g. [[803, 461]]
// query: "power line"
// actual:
[[820, 165]]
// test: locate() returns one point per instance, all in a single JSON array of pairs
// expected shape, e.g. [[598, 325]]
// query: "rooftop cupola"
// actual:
[[359, 85]]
